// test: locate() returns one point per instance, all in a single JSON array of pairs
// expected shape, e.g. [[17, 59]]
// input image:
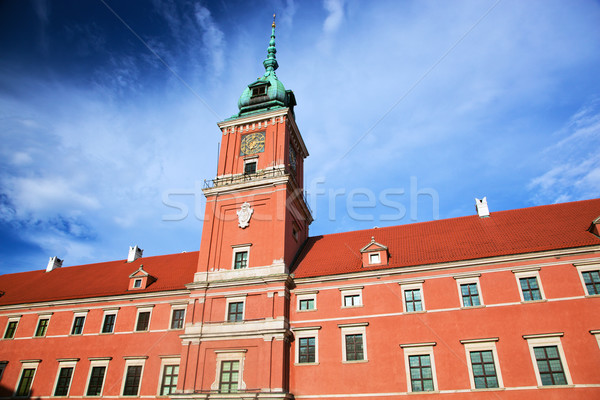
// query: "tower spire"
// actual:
[[270, 62]]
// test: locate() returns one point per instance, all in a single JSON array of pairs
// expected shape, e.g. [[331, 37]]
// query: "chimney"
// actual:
[[54, 263], [482, 207], [134, 253]]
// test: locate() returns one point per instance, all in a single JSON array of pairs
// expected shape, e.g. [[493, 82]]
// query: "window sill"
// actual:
[[487, 389], [555, 386], [415, 312], [314, 309], [358, 306], [425, 392], [355, 362], [471, 307], [533, 301], [592, 295], [305, 364], [106, 333]]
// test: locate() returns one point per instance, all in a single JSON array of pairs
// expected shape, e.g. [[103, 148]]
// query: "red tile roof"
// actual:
[[525, 230], [171, 271]]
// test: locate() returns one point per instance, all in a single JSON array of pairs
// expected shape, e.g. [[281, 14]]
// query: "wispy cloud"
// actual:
[[335, 16], [574, 161]]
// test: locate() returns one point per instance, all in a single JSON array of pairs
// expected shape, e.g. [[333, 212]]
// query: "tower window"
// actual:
[[250, 167], [259, 91]]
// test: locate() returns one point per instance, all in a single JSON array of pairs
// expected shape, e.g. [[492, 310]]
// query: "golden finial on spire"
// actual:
[[273, 25]]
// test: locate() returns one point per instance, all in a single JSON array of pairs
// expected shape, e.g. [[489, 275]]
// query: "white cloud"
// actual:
[[335, 17]]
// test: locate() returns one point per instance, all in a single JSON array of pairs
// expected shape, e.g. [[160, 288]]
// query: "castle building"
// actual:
[[499, 305]]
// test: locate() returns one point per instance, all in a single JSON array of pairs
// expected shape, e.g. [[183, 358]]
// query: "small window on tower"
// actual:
[[250, 168], [259, 91]]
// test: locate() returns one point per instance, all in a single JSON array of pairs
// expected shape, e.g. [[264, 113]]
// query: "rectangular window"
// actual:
[[549, 365], [354, 347], [143, 321], [177, 318], [137, 283], [470, 295], [421, 374], [78, 325], [250, 167], [592, 282], [96, 381], [307, 304], [374, 258], [64, 381], [241, 260], [108, 326], [412, 300], [2, 368], [530, 288], [306, 350], [235, 311], [132, 380], [11, 328], [169, 379], [228, 380], [25, 382], [42, 326], [351, 300], [484, 369]]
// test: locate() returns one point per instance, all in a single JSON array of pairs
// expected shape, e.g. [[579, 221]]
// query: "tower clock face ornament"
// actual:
[[252, 143]]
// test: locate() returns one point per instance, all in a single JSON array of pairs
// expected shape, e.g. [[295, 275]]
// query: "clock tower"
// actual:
[[256, 221], [256, 215]]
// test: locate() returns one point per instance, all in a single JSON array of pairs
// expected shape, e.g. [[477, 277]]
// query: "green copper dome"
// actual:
[[267, 92]]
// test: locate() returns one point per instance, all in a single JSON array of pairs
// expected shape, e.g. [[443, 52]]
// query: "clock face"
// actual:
[[252, 143]]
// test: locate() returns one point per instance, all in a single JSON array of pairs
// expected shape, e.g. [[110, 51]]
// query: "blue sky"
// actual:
[[409, 109]]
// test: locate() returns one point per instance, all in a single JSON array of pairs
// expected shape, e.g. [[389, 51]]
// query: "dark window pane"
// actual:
[[25, 382], [354, 349], [78, 325], [177, 322], [109, 323], [235, 312], [306, 350], [64, 380], [143, 321], [592, 281], [470, 295], [241, 260], [10, 330], [96, 381], [229, 376], [41, 328], [132, 380], [530, 289]]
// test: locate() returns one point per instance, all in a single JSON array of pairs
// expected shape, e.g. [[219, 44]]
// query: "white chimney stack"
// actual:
[[54, 263], [482, 207], [134, 253]]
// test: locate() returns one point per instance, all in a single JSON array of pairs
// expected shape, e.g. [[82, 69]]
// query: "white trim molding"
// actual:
[[487, 344], [419, 349], [359, 328], [543, 340], [530, 273]]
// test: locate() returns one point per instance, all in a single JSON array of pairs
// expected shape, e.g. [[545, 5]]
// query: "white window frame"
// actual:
[[306, 295], [96, 362], [466, 280], [235, 299], [109, 311], [488, 344], [142, 309], [27, 364], [412, 286], [164, 361], [229, 355], [307, 332], [586, 268], [531, 273], [65, 363], [354, 329], [175, 307], [240, 249], [352, 291], [419, 349], [550, 339], [14, 318], [131, 362], [75, 315], [372, 256], [137, 283]]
